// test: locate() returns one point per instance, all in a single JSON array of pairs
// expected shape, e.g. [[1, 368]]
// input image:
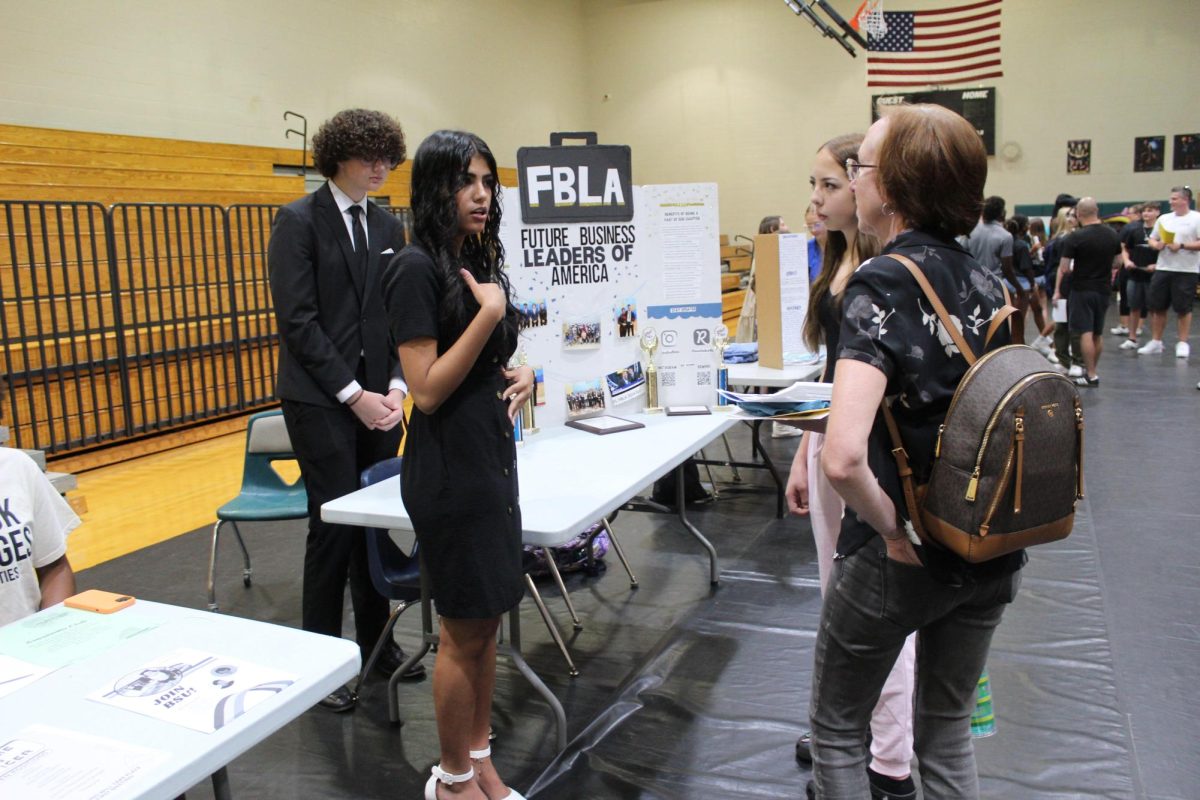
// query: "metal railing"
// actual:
[[123, 322]]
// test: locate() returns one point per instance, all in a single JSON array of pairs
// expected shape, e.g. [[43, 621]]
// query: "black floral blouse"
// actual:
[[888, 323]]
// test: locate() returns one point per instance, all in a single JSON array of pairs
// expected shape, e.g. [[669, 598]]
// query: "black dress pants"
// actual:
[[333, 447]]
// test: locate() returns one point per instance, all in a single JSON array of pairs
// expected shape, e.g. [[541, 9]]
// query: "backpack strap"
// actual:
[[940, 309], [905, 472]]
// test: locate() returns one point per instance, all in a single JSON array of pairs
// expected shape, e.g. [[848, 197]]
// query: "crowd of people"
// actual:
[[578, 334], [585, 400]]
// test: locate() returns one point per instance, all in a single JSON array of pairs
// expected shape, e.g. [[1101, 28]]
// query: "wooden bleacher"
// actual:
[[735, 262]]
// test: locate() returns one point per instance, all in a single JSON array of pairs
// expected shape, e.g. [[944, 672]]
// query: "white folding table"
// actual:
[[568, 479], [59, 699], [754, 374]]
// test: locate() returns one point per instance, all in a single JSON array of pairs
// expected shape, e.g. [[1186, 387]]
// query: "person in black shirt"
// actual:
[[455, 326], [918, 184], [1091, 254], [1139, 259]]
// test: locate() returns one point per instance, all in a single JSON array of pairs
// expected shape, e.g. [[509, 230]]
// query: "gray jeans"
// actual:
[[872, 604]]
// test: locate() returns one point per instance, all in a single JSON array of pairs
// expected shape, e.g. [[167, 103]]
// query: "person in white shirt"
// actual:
[[1176, 237], [34, 523]]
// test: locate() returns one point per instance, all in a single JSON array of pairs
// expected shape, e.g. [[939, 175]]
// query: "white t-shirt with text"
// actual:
[[34, 523]]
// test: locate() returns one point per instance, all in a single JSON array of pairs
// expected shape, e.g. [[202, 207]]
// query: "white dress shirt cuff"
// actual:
[[345, 394], [397, 383]]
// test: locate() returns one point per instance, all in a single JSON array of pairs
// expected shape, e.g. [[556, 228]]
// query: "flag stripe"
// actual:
[[957, 9], [950, 34], [955, 44], [920, 23], [933, 47], [937, 59], [947, 82], [939, 71]]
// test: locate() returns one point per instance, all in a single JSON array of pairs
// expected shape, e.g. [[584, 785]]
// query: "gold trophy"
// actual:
[[649, 343], [527, 418], [720, 340]]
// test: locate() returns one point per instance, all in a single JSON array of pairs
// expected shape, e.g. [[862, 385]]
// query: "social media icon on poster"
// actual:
[[667, 338]]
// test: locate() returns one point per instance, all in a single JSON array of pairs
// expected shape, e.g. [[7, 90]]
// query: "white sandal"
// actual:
[[480, 755], [441, 776]]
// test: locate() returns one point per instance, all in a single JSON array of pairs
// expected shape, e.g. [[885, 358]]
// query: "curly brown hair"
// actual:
[[357, 133]]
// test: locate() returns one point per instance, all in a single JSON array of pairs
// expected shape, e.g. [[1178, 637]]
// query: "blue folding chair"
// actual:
[[394, 574], [264, 495]]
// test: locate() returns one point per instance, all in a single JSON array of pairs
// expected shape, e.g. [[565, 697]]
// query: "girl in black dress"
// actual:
[[454, 324]]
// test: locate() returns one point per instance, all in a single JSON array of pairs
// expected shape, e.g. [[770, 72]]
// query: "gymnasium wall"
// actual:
[[225, 70], [740, 92]]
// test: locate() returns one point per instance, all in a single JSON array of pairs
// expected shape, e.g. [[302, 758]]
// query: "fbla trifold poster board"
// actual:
[[589, 290]]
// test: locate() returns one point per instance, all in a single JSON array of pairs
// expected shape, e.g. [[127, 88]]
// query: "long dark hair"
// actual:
[[439, 171], [864, 246]]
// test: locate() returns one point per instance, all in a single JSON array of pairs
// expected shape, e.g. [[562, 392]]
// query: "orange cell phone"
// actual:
[[98, 601]]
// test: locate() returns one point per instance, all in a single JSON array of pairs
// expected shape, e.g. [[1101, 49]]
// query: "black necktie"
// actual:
[[360, 241]]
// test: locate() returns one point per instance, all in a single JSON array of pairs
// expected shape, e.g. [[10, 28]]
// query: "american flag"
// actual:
[[937, 46]]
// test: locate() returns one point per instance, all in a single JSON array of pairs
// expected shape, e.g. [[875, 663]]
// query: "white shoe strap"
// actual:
[[479, 755], [448, 778]]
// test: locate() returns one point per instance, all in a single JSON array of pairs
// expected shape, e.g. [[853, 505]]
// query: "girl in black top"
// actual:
[[451, 317]]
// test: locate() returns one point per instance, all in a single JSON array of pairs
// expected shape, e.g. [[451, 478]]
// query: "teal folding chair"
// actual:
[[264, 496]]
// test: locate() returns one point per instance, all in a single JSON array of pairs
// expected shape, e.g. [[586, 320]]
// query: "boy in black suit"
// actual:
[[339, 378]]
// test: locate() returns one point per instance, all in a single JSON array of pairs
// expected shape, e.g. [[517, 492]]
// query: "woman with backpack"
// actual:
[[808, 490], [918, 181]]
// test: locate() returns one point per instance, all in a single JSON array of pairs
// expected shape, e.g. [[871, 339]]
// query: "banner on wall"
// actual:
[[588, 285]]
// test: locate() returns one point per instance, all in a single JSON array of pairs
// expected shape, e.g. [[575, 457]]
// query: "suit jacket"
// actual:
[[327, 313]]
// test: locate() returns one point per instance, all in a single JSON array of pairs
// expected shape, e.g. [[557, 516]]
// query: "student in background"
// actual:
[[34, 523], [1090, 255], [1176, 237], [1140, 259], [1022, 265], [339, 381]]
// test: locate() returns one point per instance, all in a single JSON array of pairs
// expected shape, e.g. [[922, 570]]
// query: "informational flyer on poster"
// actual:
[[195, 689], [588, 291], [46, 763]]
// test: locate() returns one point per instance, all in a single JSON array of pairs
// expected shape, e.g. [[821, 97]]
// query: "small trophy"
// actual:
[[720, 340], [649, 343], [527, 418]]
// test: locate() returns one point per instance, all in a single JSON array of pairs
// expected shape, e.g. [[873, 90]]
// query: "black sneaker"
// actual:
[[885, 788]]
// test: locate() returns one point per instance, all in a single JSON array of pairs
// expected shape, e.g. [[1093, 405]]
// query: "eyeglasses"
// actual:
[[854, 169], [376, 163]]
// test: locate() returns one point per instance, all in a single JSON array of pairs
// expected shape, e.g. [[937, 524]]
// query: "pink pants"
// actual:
[[891, 721]]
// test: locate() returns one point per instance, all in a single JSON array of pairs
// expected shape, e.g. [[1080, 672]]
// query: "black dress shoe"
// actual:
[[390, 660], [339, 700]]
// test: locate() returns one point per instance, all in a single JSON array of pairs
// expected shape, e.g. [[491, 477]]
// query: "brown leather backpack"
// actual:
[[1008, 463]]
